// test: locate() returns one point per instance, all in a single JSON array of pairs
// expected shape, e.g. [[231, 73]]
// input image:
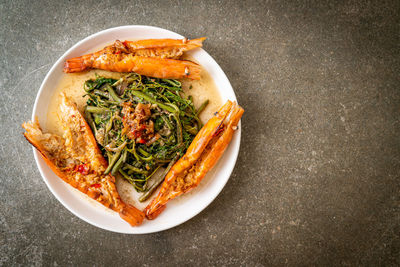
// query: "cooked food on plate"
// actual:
[[164, 48], [142, 126], [77, 160], [152, 57], [204, 152]]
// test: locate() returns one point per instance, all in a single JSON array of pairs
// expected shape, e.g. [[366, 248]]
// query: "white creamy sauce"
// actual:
[[72, 85]]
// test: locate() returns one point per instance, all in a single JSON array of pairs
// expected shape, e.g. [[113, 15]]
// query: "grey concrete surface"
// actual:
[[317, 179]]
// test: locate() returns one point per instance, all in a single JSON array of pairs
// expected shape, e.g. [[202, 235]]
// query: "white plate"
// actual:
[[178, 210]]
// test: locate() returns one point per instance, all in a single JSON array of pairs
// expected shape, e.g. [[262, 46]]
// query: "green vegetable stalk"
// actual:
[[171, 126]]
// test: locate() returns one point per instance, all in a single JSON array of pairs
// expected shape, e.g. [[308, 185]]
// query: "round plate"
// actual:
[[178, 210]]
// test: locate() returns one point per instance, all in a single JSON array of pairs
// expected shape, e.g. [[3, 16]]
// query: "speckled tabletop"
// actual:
[[317, 179]]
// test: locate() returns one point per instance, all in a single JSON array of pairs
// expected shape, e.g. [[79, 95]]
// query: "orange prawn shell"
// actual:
[[162, 43], [152, 57], [211, 157], [200, 141], [48, 162], [204, 152], [127, 212], [148, 66]]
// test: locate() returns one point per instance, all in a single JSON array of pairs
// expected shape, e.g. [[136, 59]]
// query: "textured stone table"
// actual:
[[317, 179]]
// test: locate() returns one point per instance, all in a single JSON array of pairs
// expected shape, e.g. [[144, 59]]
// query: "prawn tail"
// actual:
[[78, 64], [194, 43], [132, 215], [153, 211]]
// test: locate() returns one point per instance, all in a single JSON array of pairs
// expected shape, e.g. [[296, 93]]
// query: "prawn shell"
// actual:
[[204, 152], [200, 141], [149, 66], [41, 150], [127, 212], [210, 157], [85, 62], [69, 107], [151, 57], [164, 43]]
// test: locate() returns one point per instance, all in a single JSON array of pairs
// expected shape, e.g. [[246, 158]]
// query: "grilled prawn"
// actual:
[[152, 57], [77, 160], [164, 48], [202, 154]]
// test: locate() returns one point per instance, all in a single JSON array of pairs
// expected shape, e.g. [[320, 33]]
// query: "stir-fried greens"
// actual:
[[141, 125]]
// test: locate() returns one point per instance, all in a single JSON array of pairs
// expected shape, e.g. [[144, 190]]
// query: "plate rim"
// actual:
[[38, 158]]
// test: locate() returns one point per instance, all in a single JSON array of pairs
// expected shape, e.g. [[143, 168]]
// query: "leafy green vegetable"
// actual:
[[174, 123]]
